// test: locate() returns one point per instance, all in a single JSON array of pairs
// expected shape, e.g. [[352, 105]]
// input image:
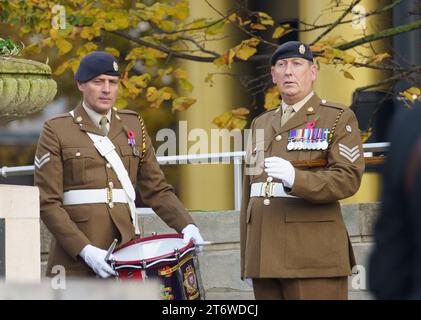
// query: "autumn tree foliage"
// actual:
[[151, 38]]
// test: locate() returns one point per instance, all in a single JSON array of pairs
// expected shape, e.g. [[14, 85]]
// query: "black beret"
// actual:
[[96, 63], [292, 49]]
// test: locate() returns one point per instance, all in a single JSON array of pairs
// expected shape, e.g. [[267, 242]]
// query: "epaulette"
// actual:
[[326, 103], [267, 111], [60, 115], [125, 111]]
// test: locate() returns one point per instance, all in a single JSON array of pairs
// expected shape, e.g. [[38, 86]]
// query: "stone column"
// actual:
[[19, 234]]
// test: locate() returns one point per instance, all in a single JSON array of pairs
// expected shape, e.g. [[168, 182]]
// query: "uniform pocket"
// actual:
[[130, 160], [312, 235], [75, 164]]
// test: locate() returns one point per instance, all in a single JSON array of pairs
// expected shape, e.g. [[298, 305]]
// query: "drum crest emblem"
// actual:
[[190, 280]]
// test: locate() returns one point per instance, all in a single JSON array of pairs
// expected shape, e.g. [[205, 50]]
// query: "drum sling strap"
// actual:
[[107, 149]]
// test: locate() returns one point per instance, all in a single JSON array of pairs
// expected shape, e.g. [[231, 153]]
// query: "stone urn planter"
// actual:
[[26, 87]]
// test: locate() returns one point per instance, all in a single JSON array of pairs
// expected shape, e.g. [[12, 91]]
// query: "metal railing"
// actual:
[[237, 158]]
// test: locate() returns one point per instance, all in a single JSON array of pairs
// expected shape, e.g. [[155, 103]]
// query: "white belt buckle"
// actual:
[[267, 187], [110, 195], [104, 146]]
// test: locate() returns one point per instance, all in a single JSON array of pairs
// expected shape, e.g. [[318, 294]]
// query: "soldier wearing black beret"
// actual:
[[87, 192], [294, 244]]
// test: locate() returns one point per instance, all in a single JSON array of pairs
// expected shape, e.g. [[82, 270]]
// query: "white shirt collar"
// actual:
[[297, 106], [95, 116]]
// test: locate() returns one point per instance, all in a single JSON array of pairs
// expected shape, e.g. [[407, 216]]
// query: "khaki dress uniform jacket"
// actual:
[[305, 236], [66, 159]]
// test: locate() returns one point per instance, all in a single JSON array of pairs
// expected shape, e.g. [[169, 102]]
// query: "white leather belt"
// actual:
[[106, 195], [268, 189]]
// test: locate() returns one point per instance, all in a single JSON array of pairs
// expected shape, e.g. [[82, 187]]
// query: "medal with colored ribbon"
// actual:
[[131, 141]]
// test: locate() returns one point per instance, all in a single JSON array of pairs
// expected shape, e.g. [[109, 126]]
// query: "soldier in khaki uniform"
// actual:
[[294, 244], [87, 199]]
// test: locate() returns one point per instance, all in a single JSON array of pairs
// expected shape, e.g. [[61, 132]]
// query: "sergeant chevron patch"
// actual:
[[351, 154], [39, 162]]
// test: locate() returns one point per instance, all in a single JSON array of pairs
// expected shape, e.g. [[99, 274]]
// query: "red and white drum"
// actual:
[[163, 257]]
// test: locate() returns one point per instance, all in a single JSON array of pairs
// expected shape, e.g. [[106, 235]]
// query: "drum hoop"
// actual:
[[183, 250], [147, 263]]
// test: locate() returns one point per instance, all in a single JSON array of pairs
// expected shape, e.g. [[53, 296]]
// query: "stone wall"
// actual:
[[220, 261]]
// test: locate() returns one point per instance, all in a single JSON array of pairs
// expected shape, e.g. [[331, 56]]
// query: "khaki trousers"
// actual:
[[301, 289]]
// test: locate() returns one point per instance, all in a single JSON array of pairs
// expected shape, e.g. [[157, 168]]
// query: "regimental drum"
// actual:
[[165, 258]]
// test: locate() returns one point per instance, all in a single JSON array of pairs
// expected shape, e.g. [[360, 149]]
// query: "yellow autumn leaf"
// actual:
[[245, 52], [167, 25], [223, 120], [237, 123], [279, 32], [54, 34], [365, 135], [182, 10], [222, 60], [272, 98], [86, 48], [141, 81], [90, 32], [379, 57], [112, 51], [185, 85], [240, 112], [265, 19], [151, 94], [182, 103], [257, 26], [63, 46], [347, 74], [231, 55], [414, 90], [180, 73], [232, 17]]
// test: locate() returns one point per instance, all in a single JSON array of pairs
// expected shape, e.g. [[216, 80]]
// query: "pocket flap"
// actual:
[[298, 210], [70, 153], [77, 214], [126, 150]]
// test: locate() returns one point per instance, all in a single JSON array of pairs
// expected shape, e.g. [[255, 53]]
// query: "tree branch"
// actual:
[[164, 49], [334, 24], [391, 79], [381, 35]]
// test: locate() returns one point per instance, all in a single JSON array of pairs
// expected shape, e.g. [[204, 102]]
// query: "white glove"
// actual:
[[191, 232], [280, 169], [249, 281], [94, 258]]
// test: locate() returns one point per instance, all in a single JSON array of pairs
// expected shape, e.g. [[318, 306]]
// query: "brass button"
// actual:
[[77, 154], [111, 184], [79, 119], [115, 108], [324, 101], [266, 202], [118, 117], [108, 165], [278, 138], [269, 179], [111, 205], [310, 109]]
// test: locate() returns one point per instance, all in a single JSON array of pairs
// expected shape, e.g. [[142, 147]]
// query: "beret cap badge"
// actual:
[[302, 49], [115, 66]]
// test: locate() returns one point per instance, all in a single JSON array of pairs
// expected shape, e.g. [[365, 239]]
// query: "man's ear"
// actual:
[[313, 69], [80, 86], [272, 72]]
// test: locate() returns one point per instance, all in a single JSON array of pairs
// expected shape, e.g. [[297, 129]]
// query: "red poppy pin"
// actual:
[[130, 138], [312, 123]]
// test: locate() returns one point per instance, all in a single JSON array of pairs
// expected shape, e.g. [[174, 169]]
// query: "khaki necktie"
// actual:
[[103, 123], [289, 111]]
